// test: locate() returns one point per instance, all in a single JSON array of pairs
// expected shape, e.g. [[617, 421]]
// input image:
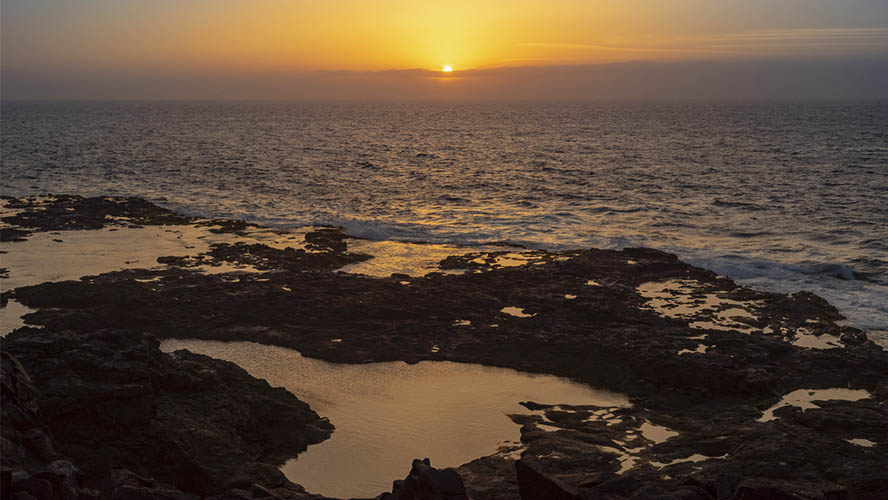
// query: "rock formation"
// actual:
[[425, 482], [699, 355], [136, 420]]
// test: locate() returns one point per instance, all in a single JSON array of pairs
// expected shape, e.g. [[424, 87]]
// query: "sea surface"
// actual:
[[780, 196]]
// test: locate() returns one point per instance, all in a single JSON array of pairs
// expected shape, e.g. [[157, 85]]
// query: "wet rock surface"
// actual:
[[589, 451], [68, 212], [324, 256], [701, 357]]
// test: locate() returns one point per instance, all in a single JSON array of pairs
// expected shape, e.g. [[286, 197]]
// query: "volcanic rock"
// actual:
[[705, 376], [425, 482], [114, 401]]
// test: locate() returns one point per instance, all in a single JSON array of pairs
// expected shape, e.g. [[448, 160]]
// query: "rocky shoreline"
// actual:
[[141, 423], [700, 356]]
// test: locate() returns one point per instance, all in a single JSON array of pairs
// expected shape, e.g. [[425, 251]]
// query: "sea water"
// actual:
[[782, 196]]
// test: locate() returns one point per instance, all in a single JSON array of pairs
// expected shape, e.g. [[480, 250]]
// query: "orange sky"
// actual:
[[85, 41], [400, 34]]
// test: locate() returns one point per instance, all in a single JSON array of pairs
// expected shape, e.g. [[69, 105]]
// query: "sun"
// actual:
[[447, 68]]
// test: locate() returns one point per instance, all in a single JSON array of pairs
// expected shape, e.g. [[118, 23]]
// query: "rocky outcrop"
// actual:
[[425, 482], [31, 465], [707, 376], [321, 258], [113, 401], [66, 212], [576, 452], [605, 336], [535, 485]]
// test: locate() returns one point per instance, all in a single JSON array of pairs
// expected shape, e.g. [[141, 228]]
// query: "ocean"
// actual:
[[780, 196]]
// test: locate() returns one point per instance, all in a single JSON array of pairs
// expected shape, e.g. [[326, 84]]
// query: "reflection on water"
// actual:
[[11, 316], [516, 311], [804, 338], [684, 299], [866, 443], [413, 259], [69, 255], [386, 414], [656, 433], [806, 399]]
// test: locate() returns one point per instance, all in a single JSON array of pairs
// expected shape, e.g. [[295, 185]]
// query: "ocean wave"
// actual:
[[469, 178], [840, 271], [863, 303], [741, 267], [737, 204], [392, 231]]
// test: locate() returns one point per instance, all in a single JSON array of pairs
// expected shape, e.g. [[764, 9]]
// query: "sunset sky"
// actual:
[[387, 48]]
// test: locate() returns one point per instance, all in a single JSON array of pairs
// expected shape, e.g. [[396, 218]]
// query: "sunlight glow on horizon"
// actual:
[[219, 48], [355, 35]]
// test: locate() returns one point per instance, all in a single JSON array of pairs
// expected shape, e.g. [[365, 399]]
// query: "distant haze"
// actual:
[[692, 80], [395, 49]]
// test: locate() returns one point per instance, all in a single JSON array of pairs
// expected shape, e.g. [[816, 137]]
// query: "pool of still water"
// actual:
[[387, 414]]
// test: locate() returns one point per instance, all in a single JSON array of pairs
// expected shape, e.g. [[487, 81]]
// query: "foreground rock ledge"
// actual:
[[707, 379], [141, 423]]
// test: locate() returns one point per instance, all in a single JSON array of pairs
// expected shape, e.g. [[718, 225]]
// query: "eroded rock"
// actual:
[[425, 482], [114, 401], [585, 315]]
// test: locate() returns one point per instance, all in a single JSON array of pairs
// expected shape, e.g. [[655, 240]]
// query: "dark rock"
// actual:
[[762, 492], [692, 493], [853, 336], [873, 486], [694, 483], [425, 482], [605, 337], [12, 234], [643, 492], [490, 478], [31, 466], [26, 443], [34, 486], [113, 400], [66, 212], [67, 475], [530, 405], [328, 239], [726, 485], [127, 485], [70, 212], [127, 492], [325, 258], [535, 485], [624, 486], [5, 481]]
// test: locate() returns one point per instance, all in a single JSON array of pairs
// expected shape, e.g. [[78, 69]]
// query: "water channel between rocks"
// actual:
[[386, 414]]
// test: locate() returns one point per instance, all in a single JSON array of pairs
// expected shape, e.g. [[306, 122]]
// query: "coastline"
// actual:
[[589, 315]]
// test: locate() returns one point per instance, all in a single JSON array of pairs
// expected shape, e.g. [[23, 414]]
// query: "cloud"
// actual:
[[614, 48], [864, 35], [748, 43]]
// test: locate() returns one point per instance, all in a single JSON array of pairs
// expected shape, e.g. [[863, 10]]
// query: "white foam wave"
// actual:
[[863, 303]]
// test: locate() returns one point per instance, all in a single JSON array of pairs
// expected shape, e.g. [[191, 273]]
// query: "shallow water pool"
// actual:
[[387, 414]]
